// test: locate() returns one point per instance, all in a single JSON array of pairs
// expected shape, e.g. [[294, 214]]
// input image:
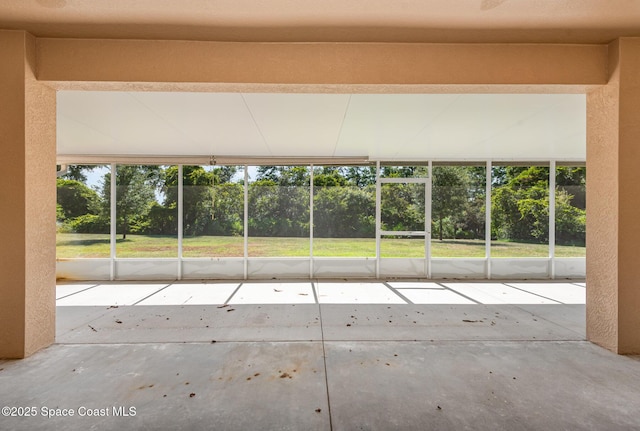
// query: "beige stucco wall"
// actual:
[[27, 197], [317, 64], [12, 215], [602, 215], [27, 131], [613, 228], [629, 197]]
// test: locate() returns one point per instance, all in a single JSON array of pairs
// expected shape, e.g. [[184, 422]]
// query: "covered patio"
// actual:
[[307, 353], [323, 355]]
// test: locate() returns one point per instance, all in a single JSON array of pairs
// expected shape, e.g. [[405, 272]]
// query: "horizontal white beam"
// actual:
[[90, 159]]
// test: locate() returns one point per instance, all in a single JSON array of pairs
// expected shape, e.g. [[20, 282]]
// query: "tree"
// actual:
[[135, 194], [76, 199], [573, 180], [344, 212], [279, 202], [450, 186], [402, 207], [196, 196], [327, 176], [570, 221], [570, 205], [228, 210], [361, 176], [79, 208], [76, 172], [520, 206]]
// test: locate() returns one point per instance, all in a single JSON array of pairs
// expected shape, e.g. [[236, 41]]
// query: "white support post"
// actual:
[[427, 218], [113, 223], [311, 222], [246, 222], [487, 220], [180, 218], [552, 219], [378, 218]]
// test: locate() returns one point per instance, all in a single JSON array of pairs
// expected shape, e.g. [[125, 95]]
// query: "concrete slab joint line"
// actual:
[[324, 359]]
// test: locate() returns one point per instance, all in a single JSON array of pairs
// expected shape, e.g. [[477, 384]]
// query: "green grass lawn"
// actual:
[[70, 245]]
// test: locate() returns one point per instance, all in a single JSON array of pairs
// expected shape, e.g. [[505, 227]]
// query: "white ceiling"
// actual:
[[378, 126]]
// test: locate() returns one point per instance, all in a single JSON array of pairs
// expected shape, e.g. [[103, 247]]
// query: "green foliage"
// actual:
[[328, 176], [60, 216], [135, 194], [228, 210], [344, 212], [573, 181], [160, 220], [278, 209], [450, 186], [89, 223], [75, 199], [197, 200], [344, 202], [570, 220], [520, 207], [360, 176], [458, 202], [402, 207], [76, 172], [78, 208]]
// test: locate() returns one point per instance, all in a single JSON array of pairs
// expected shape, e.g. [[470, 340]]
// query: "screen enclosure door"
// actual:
[[403, 228]]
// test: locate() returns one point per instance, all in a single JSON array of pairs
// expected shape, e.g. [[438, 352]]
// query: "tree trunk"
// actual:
[[440, 234]]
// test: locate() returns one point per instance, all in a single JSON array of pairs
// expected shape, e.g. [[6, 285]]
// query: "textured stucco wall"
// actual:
[[602, 213], [40, 204], [319, 63], [27, 199], [12, 191], [613, 228], [629, 198]]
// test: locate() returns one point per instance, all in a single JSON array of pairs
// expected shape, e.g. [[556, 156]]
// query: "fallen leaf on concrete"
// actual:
[[191, 395], [92, 328], [276, 290], [223, 306], [318, 410], [470, 321], [231, 309], [118, 321]]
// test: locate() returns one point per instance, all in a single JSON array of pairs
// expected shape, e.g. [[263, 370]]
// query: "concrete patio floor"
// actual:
[[322, 356]]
